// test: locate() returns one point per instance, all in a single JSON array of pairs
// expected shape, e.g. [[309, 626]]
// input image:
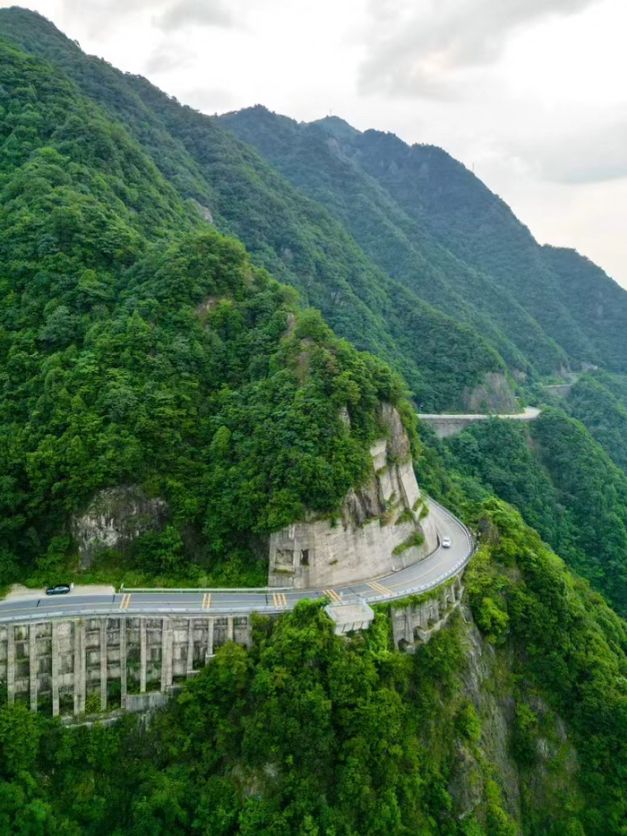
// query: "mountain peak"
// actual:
[[337, 127]]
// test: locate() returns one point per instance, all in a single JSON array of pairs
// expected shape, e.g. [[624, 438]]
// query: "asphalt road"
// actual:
[[420, 577], [530, 413]]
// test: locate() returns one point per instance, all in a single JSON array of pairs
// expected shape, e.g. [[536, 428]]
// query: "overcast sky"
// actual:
[[529, 93]]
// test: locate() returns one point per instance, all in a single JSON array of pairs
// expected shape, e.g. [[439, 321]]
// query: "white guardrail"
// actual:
[[148, 608]]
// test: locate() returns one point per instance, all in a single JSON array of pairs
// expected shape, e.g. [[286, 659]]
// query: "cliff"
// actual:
[[383, 525]]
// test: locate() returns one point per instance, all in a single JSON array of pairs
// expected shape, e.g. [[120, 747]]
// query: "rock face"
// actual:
[[493, 395], [114, 518], [384, 525], [496, 713]]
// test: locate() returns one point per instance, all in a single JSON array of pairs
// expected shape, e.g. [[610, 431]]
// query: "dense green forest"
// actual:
[[435, 227], [139, 345], [308, 733], [295, 238], [187, 313], [600, 402], [564, 485]]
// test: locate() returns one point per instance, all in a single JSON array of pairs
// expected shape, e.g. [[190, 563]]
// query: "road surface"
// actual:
[[442, 564], [530, 413]]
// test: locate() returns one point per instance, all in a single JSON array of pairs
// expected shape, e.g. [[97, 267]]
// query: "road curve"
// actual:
[[530, 413], [427, 574]]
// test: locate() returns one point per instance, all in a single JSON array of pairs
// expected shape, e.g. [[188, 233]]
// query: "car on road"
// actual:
[[59, 589], [446, 542]]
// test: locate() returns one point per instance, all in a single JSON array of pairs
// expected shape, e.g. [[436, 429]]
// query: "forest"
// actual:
[[213, 310], [308, 733]]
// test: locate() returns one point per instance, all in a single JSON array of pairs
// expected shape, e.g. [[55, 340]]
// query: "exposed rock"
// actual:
[[492, 396], [114, 518], [398, 447], [376, 518], [496, 715], [203, 211]]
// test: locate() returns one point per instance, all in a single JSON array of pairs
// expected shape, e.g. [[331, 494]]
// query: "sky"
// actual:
[[529, 94]]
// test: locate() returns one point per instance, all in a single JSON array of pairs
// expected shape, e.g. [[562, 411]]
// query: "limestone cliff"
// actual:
[[114, 518], [488, 682], [493, 395], [383, 525]]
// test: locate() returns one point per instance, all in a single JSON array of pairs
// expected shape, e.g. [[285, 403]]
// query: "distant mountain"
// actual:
[[294, 237], [431, 224]]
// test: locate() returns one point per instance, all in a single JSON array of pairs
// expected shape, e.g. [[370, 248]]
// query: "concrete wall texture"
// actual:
[[79, 667], [416, 624], [85, 665], [376, 519]]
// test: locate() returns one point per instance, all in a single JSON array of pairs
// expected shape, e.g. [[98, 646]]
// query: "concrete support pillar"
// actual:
[[123, 680], [10, 664], [32, 665], [209, 640], [54, 676], [142, 655], [190, 647], [79, 667], [166, 653], [103, 665], [230, 628]]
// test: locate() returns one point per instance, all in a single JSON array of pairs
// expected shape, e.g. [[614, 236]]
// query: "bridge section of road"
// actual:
[[445, 425], [83, 653]]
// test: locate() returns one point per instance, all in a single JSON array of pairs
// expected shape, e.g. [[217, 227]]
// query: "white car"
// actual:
[[446, 542]]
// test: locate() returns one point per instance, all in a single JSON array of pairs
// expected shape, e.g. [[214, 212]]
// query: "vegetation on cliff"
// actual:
[[137, 345], [140, 345], [564, 485], [309, 733]]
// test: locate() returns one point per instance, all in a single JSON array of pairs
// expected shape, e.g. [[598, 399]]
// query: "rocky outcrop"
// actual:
[[493, 395], [496, 714], [204, 211], [114, 518], [548, 780], [383, 525]]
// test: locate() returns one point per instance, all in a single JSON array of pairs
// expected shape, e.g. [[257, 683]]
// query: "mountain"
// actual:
[[418, 205], [510, 720], [431, 258], [149, 360], [141, 349], [293, 237]]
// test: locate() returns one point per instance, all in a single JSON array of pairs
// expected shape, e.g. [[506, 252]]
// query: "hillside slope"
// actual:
[[141, 349], [293, 237], [418, 206], [511, 720]]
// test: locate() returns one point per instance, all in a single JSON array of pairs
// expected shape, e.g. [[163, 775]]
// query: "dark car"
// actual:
[[59, 589]]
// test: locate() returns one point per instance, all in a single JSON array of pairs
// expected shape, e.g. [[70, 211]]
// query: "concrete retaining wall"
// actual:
[[417, 623], [81, 666]]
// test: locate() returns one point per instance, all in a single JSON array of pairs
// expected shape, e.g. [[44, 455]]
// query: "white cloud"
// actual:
[[528, 92], [184, 13], [419, 48]]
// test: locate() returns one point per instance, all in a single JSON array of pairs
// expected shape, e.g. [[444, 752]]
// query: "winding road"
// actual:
[[427, 574]]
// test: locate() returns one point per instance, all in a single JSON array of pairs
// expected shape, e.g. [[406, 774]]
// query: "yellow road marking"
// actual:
[[206, 600], [279, 599], [126, 600], [378, 587], [333, 595]]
